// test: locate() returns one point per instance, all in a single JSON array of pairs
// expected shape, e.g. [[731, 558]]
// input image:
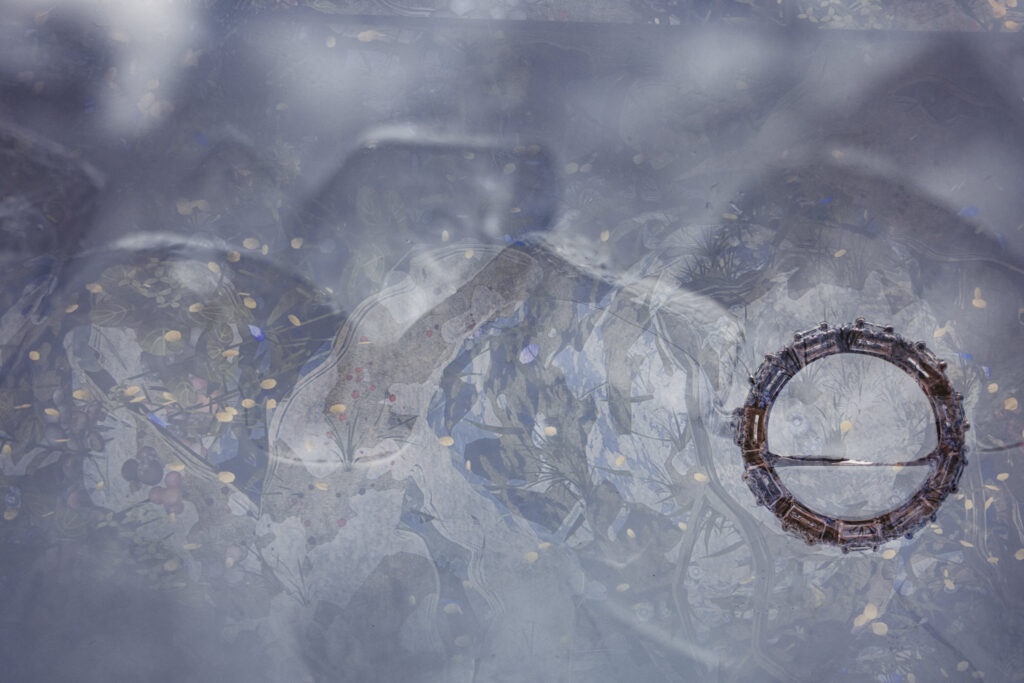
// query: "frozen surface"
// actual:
[[338, 347]]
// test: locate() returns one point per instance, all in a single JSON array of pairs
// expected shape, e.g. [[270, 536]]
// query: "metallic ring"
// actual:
[[947, 460]]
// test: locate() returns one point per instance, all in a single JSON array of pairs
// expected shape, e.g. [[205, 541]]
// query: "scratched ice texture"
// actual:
[[382, 341]]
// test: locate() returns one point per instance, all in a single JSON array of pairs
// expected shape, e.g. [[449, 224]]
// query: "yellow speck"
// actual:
[[229, 562], [967, 544], [132, 390], [745, 581], [1011, 25], [99, 485], [6, 449], [251, 243], [730, 216], [320, 485], [939, 332], [879, 628], [469, 253], [962, 666], [171, 565], [897, 468], [948, 583], [992, 387], [509, 169], [979, 303], [226, 477], [571, 167], [469, 466], [550, 431], [1019, 555], [412, 599], [296, 242], [446, 441], [271, 403], [544, 545], [622, 587], [837, 154], [234, 257], [10, 513], [630, 533], [845, 426], [338, 408], [452, 608], [1010, 404], [368, 36], [183, 205], [268, 384], [331, 41], [682, 526], [605, 235], [223, 416], [249, 302], [445, 236], [294, 319], [229, 353], [265, 249], [33, 355], [585, 168], [870, 611], [195, 308], [214, 268], [992, 560], [176, 466], [700, 476], [937, 529], [888, 554], [620, 461], [531, 557], [172, 335], [231, 410], [192, 546], [248, 403], [839, 254], [94, 287], [80, 394], [71, 309], [968, 504], [998, 11], [1003, 476]]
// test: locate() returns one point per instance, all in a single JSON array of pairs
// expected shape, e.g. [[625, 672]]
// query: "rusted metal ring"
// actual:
[[947, 460]]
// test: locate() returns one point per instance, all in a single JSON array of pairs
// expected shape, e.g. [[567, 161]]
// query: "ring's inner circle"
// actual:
[[867, 416]]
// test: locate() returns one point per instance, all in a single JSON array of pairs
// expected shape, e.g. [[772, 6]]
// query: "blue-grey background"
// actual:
[[374, 341]]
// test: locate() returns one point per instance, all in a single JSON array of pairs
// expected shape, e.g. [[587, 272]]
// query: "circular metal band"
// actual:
[[947, 460]]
